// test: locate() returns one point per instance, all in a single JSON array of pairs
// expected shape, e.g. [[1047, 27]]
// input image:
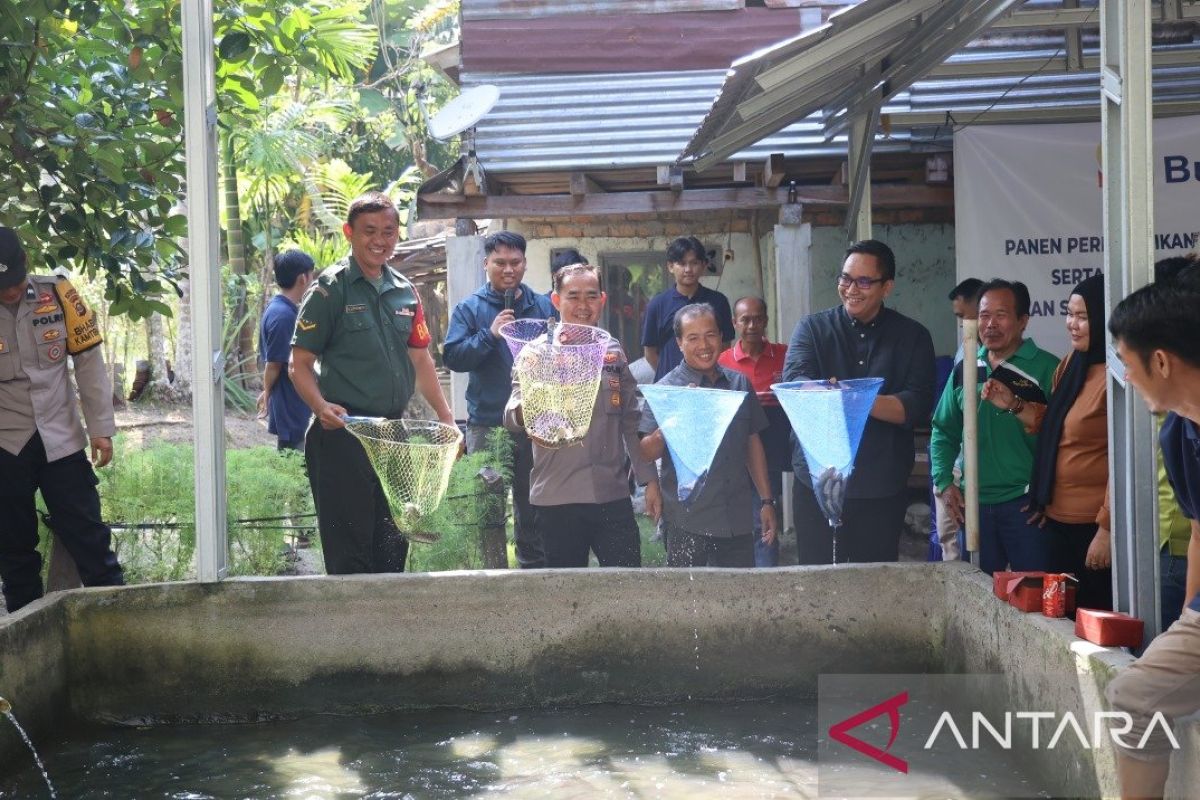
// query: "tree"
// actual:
[[91, 99]]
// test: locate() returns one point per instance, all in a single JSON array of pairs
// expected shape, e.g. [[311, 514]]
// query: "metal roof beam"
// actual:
[[844, 39], [1074, 41], [899, 77], [862, 141], [1027, 66], [1176, 10], [946, 17], [789, 94], [745, 134], [911, 119]]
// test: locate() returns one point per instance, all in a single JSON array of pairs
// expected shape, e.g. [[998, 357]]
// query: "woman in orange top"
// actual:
[[1070, 472]]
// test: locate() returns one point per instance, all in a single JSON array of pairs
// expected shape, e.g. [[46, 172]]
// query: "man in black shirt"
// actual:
[[862, 338]]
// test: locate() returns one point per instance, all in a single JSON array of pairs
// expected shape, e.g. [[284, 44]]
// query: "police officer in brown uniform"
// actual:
[[43, 323]]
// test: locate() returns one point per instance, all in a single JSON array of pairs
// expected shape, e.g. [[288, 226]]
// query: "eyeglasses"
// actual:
[[844, 280]]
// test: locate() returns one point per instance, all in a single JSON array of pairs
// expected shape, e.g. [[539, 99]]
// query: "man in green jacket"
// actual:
[[1016, 377]]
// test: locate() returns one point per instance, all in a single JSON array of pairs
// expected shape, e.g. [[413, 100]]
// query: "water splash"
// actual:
[[695, 617], [6, 709]]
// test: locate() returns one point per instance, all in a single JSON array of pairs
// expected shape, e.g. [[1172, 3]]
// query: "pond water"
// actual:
[[765, 748]]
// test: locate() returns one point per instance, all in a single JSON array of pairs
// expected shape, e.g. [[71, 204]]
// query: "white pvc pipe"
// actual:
[[971, 434]]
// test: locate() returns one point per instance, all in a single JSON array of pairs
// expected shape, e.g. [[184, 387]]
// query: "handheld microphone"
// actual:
[[508, 299]]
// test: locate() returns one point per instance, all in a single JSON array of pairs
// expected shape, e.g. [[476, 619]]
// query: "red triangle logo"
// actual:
[[891, 707]]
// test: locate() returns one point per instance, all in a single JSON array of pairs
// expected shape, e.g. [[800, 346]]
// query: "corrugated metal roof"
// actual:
[[613, 120], [881, 48], [635, 119]]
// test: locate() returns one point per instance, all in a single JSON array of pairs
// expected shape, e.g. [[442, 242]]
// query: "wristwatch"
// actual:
[[767, 501], [1017, 407]]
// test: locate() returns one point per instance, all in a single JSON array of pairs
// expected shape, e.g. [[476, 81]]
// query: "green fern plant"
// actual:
[[324, 250]]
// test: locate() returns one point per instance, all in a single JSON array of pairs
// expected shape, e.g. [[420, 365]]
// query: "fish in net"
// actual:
[[413, 459], [693, 421], [829, 418], [558, 367]]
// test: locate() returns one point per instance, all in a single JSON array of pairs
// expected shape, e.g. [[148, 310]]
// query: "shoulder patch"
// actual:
[[83, 329], [305, 325]]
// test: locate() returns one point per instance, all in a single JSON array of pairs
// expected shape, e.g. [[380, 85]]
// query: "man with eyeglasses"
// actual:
[[862, 338]]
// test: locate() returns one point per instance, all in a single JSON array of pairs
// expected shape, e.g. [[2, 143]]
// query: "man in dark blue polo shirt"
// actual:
[[1157, 334], [862, 338], [474, 345], [287, 414], [687, 262]]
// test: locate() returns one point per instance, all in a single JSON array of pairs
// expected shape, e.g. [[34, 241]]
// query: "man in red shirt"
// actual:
[[761, 361]]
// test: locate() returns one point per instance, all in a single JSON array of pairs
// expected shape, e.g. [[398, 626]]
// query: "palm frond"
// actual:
[[340, 39]]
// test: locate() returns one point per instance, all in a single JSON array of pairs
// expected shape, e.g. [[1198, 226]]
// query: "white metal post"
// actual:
[[464, 274], [204, 270], [1127, 130]]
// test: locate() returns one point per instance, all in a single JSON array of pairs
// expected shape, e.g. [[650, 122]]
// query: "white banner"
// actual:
[[1028, 207]]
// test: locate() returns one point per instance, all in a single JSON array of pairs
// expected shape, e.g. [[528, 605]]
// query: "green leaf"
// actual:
[[233, 45], [375, 102], [272, 80]]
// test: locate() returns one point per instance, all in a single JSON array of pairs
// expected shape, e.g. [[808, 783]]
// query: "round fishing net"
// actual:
[[558, 367], [829, 418], [413, 459]]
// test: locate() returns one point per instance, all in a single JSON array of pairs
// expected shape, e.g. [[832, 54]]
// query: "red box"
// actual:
[[1022, 590], [1000, 581], [1108, 628]]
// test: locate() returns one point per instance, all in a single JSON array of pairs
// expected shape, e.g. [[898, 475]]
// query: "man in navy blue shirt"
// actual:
[[287, 414], [1157, 333], [687, 262], [863, 338], [474, 345]]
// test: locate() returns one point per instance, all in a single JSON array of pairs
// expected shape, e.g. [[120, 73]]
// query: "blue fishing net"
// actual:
[[829, 419], [693, 422]]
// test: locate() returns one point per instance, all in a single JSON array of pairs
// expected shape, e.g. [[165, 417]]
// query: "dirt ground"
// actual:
[[148, 423]]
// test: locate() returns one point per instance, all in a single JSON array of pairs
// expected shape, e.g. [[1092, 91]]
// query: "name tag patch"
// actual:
[[405, 312], [356, 308]]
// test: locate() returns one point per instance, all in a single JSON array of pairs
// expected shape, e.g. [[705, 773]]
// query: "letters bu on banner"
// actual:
[[1028, 206]]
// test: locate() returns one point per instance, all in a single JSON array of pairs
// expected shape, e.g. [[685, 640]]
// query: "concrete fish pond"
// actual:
[[723, 683]]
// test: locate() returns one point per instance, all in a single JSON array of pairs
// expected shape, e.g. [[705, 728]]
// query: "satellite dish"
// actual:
[[463, 112]]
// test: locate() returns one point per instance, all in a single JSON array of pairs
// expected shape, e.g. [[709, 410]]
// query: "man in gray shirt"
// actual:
[[715, 527], [580, 493]]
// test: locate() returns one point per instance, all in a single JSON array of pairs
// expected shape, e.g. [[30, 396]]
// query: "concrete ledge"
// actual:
[[247, 649], [250, 649], [34, 671]]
